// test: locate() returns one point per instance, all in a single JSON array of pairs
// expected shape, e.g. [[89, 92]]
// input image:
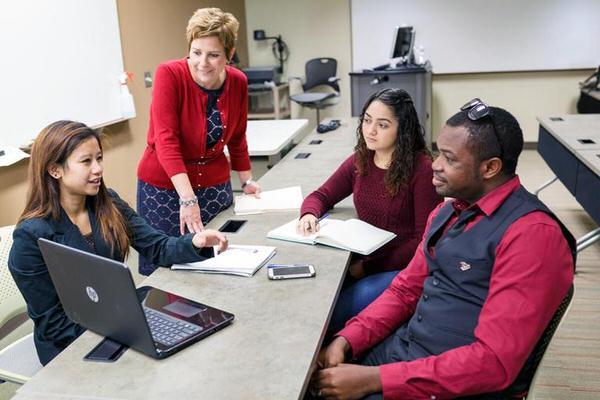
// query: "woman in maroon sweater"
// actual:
[[390, 178], [199, 106]]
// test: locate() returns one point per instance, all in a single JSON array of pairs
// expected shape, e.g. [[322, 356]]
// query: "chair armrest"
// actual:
[[12, 377], [293, 78], [333, 79]]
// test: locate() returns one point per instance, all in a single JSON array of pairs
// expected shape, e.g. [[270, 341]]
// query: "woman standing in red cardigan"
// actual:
[[390, 178], [199, 106]]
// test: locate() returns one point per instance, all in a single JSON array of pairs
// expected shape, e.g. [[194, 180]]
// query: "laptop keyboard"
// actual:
[[168, 330]]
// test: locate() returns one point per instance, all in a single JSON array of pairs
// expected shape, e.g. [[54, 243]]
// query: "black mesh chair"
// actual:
[[319, 72], [519, 389]]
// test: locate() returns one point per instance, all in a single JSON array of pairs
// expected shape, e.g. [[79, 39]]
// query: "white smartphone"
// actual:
[[290, 271]]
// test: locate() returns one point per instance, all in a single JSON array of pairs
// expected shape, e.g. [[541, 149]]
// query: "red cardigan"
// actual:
[[405, 214], [177, 131]]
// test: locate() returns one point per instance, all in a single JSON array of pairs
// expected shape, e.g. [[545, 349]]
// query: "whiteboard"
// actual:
[[61, 59], [461, 36]]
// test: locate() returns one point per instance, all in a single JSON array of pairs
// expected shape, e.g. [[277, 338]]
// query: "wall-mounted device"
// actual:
[[280, 49]]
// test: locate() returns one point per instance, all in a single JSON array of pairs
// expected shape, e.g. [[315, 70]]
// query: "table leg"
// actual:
[[544, 186], [588, 239]]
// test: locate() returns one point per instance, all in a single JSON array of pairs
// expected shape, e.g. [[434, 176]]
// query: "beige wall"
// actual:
[[151, 31], [525, 94], [311, 29], [316, 28]]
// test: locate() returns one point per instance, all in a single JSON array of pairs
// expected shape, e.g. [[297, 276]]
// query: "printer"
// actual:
[[259, 76]]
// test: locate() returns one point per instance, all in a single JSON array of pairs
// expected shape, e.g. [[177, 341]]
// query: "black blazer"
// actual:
[[53, 330]]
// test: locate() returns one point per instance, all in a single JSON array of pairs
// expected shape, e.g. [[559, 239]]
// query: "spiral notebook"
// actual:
[[236, 260]]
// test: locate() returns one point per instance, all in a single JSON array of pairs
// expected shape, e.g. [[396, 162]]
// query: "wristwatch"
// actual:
[[249, 181]]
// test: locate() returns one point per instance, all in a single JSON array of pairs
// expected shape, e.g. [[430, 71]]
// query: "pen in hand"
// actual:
[[310, 225], [326, 215], [316, 229]]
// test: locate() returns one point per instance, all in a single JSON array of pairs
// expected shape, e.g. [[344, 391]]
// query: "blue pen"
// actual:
[[318, 220], [326, 215]]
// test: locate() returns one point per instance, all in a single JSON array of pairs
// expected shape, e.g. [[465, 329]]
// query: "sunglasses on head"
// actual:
[[476, 110]]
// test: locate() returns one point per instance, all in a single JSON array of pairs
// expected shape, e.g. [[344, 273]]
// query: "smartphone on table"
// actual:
[[290, 271], [232, 225]]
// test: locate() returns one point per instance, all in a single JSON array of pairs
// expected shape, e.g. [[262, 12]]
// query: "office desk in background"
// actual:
[[270, 137], [570, 145], [267, 139], [269, 351], [416, 80], [268, 101]]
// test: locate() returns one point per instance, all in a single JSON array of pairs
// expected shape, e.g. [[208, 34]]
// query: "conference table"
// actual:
[[269, 137], [570, 145], [269, 352]]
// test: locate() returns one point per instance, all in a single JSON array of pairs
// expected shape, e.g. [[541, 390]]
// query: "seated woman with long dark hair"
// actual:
[[68, 203], [389, 176]]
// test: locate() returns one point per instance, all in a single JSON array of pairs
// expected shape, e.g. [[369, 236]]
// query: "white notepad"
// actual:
[[287, 199], [353, 235], [236, 260]]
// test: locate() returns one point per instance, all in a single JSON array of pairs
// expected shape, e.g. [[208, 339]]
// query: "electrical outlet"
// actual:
[[148, 79]]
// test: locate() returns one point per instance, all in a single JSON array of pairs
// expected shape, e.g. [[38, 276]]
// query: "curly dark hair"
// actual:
[[409, 144]]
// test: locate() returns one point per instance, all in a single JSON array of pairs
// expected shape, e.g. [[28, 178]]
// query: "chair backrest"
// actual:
[[12, 303], [522, 383], [18, 360], [318, 71]]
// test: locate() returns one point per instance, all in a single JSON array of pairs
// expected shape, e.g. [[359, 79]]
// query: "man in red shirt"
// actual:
[[491, 270]]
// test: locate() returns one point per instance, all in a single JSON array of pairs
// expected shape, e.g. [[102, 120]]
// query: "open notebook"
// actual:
[[236, 260], [353, 235], [286, 199]]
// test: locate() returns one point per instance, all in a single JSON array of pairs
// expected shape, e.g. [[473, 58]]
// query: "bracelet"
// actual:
[[188, 202], [248, 182]]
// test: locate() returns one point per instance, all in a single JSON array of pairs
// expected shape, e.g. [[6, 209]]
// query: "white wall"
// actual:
[[310, 28], [314, 28], [462, 36]]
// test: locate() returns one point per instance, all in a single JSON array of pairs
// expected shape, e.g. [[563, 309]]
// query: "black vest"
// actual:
[[459, 276]]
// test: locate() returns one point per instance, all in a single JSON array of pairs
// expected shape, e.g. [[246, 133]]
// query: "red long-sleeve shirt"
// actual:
[[532, 272], [177, 131], [405, 214]]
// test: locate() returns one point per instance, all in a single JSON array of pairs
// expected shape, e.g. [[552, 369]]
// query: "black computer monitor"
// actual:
[[402, 45]]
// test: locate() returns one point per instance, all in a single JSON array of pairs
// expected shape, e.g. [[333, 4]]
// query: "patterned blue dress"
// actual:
[[160, 207]]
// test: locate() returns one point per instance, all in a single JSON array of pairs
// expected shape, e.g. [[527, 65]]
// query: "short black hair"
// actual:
[[506, 143]]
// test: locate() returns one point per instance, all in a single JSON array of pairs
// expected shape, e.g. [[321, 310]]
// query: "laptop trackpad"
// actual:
[[183, 309]]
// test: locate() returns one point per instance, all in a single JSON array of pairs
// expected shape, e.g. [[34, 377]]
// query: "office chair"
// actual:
[[319, 72], [520, 388], [18, 360]]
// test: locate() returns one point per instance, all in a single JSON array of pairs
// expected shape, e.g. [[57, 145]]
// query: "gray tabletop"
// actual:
[[271, 347], [579, 133]]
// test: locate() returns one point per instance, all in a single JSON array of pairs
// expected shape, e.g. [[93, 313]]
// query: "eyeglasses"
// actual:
[[476, 110]]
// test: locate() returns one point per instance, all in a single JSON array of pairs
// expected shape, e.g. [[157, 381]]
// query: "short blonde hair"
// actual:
[[213, 22]]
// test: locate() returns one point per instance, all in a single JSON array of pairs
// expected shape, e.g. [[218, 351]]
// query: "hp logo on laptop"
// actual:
[[92, 294]]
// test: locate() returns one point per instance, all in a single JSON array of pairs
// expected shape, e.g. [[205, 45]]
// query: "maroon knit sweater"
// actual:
[[405, 214]]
